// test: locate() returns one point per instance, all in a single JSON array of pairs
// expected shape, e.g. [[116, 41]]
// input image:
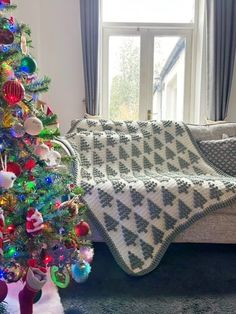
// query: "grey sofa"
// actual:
[[220, 226]]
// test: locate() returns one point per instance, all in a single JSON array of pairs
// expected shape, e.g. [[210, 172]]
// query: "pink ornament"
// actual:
[[41, 150], [34, 223], [33, 126], [86, 253]]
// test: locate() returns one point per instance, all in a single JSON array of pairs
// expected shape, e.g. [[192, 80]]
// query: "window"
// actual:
[[147, 59]]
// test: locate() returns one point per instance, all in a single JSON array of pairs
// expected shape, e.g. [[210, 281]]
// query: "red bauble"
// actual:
[[30, 164], [11, 229], [13, 92], [3, 290], [31, 177], [14, 167], [82, 229], [5, 1]]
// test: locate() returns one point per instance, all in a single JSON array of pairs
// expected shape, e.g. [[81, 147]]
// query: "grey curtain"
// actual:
[[221, 44], [90, 21]]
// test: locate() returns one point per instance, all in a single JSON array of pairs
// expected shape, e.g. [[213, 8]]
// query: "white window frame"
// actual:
[[147, 32]]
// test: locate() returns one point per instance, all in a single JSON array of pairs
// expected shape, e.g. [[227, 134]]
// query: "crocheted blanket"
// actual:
[[144, 183]]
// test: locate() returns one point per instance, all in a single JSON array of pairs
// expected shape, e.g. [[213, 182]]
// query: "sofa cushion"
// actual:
[[212, 131], [221, 153], [199, 132]]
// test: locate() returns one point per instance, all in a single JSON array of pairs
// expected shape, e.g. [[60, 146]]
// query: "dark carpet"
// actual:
[[191, 279]]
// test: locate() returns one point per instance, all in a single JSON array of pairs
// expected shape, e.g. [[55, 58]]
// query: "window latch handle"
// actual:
[[149, 114]]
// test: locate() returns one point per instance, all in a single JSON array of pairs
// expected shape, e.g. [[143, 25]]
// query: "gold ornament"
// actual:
[[47, 227], [23, 154], [7, 120], [13, 272], [8, 201], [24, 107]]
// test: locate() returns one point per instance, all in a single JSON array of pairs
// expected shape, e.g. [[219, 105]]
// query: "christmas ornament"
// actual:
[[34, 223], [8, 201], [15, 168], [11, 229], [7, 72], [2, 224], [13, 272], [30, 164], [31, 177], [24, 107], [60, 277], [41, 150], [30, 186], [13, 27], [61, 255], [33, 126], [7, 120], [49, 180], [5, 1], [7, 178], [3, 290], [28, 65], [18, 130], [6, 37], [80, 271], [9, 252], [82, 229], [17, 112], [23, 45], [53, 158], [72, 206], [13, 92], [86, 253], [47, 260]]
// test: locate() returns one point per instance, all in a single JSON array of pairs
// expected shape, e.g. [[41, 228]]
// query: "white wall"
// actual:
[[56, 37]]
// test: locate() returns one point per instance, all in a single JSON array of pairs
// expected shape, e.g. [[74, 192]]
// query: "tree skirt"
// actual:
[[49, 303]]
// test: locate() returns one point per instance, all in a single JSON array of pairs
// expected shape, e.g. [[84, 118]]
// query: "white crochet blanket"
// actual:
[[144, 183]]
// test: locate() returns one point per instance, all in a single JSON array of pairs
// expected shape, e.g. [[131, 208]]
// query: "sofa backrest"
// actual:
[[213, 131]]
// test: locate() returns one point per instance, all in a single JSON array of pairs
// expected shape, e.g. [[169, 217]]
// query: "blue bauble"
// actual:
[[80, 271]]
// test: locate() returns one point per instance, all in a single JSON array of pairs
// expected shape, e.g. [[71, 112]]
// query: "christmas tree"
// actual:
[[41, 210]]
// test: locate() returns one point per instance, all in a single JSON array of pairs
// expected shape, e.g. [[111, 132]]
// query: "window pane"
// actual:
[[124, 60], [168, 80], [150, 11]]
